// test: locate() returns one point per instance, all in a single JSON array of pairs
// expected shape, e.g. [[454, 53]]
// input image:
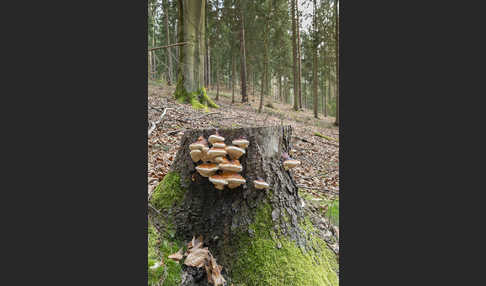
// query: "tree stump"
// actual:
[[260, 237]]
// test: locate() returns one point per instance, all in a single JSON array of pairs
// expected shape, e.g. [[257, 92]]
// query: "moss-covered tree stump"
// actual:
[[260, 237]]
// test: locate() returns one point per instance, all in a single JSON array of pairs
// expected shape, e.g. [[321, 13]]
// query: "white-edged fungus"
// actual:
[[218, 181], [289, 163], [199, 144], [219, 144], [196, 155], [216, 152], [218, 159], [230, 166], [234, 180], [205, 157], [260, 184], [215, 138], [235, 152], [241, 142], [207, 169]]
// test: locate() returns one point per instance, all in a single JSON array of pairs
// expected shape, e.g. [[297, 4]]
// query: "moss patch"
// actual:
[[158, 250], [325, 137], [168, 193], [260, 262], [198, 99]]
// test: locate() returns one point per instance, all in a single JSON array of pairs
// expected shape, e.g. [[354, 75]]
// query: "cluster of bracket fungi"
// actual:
[[221, 164]]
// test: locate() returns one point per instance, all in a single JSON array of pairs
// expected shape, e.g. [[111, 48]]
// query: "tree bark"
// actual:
[[294, 55], [169, 52], [250, 232], [244, 95], [337, 61], [299, 56], [233, 74], [314, 65]]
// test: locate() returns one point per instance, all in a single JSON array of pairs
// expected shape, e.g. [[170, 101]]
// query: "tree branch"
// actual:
[[168, 46]]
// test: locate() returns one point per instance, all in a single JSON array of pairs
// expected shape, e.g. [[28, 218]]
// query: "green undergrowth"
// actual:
[[167, 195], [325, 137], [332, 212], [260, 262], [158, 249]]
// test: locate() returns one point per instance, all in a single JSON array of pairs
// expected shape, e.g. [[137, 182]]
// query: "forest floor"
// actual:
[[318, 175]]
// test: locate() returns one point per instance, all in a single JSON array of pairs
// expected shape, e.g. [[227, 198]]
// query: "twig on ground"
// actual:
[[154, 124], [303, 140]]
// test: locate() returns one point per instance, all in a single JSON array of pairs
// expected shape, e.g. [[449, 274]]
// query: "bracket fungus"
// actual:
[[234, 180], [216, 152], [289, 163], [218, 181], [196, 155], [219, 145], [207, 169], [241, 142], [199, 144], [260, 184], [235, 152], [230, 166], [215, 138], [220, 157]]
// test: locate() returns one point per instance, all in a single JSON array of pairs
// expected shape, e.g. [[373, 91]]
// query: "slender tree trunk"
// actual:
[[299, 56], [337, 61], [233, 73], [314, 77], [154, 65], [216, 70], [169, 52], [265, 67], [150, 64], [294, 55], [244, 95], [326, 94]]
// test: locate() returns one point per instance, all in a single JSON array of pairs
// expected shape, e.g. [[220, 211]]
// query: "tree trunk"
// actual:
[[233, 74], [244, 95], [154, 63], [337, 62], [265, 68], [169, 53], [294, 54], [190, 81], [260, 237], [314, 65], [299, 56]]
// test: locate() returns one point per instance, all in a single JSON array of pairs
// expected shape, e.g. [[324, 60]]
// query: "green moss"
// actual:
[[158, 250], [198, 99], [168, 193], [325, 137], [260, 262]]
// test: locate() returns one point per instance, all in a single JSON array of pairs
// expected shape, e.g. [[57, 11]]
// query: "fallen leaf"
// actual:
[[196, 257], [176, 256]]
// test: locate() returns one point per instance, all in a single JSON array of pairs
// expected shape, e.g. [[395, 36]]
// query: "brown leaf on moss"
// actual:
[[176, 256], [196, 257]]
